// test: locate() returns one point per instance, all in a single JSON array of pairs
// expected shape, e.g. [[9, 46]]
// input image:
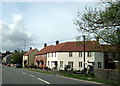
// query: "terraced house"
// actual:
[[72, 54]]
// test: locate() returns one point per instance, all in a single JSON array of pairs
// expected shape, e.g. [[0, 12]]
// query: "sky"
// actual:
[[25, 24]]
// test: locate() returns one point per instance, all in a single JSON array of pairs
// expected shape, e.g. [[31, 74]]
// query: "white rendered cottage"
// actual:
[[72, 54]]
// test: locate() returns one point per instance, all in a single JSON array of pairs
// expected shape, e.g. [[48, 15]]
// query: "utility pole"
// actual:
[[84, 50], [24, 44]]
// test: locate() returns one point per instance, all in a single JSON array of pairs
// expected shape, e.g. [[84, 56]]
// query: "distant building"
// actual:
[[28, 58], [7, 59]]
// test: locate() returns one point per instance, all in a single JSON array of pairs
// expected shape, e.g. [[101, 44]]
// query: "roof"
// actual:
[[108, 47], [30, 51], [72, 47], [8, 56]]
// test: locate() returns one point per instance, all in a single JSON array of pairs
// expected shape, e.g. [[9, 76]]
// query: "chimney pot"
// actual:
[[45, 45], [57, 42], [30, 48]]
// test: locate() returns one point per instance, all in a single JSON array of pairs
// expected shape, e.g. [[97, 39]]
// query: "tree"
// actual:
[[102, 23], [17, 57]]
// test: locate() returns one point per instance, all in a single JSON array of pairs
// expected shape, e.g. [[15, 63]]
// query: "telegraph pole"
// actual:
[[84, 50], [24, 44]]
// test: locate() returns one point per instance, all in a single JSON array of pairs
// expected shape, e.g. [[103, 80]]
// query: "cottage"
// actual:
[[28, 58], [72, 54]]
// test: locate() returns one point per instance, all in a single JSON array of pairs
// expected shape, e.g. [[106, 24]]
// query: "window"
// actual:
[[48, 63], [110, 55], [99, 64], [70, 63], [80, 54], [80, 64], [52, 55], [70, 54], [52, 63], [48, 54], [89, 54], [61, 64], [55, 54]]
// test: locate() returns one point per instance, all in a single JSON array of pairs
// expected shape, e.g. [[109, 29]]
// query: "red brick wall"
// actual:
[[41, 57]]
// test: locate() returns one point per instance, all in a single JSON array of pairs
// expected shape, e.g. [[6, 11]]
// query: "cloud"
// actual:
[[14, 35]]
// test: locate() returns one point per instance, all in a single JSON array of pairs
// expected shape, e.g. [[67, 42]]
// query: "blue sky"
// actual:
[[43, 22]]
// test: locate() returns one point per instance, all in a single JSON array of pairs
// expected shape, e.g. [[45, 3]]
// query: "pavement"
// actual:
[[11, 75]]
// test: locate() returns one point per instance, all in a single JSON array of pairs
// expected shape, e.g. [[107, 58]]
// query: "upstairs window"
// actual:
[[52, 54], [48, 54], [70, 54], [110, 55], [55, 54], [80, 54], [89, 54], [99, 64]]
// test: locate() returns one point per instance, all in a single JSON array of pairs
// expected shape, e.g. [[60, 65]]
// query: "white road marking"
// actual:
[[32, 75], [43, 81], [24, 73]]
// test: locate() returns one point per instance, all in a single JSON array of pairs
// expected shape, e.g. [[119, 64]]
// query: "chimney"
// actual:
[[45, 45], [57, 42], [30, 48], [97, 39]]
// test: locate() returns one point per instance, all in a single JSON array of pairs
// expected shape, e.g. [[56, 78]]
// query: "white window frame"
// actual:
[[61, 65], [89, 54], [80, 64], [70, 54], [80, 54]]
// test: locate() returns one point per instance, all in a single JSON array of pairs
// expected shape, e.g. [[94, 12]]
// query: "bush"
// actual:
[[67, 67]]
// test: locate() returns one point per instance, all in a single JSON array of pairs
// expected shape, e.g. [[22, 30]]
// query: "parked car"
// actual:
[[18, 66], [8, 65]]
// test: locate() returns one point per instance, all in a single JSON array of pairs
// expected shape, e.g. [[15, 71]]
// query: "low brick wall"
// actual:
[[107, 74]]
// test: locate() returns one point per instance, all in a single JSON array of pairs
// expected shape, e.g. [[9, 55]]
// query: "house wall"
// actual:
[[40, 57], [51, 58], [64, 56], [32, 58], [99, 57], [25, 58]]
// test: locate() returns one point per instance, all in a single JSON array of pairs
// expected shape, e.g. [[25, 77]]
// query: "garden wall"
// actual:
[[107, 74]]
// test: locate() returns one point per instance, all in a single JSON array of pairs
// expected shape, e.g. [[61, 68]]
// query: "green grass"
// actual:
[[80, 76], [83, 77], [41, 71]]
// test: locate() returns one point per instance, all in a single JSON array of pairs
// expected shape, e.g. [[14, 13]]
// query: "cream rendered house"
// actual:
[[72, 54], [28, 58]]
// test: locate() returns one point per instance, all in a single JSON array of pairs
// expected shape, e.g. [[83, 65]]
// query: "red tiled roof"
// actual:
[[72, 46], [30, 51]]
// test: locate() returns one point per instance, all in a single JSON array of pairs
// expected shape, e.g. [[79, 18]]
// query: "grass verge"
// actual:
[[79, 76]]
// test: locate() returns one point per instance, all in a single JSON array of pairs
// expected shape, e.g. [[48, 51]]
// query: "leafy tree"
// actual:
[[17, 57], [102, 23]]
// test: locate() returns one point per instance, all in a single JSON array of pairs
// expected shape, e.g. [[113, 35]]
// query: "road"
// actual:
[[12, 75]]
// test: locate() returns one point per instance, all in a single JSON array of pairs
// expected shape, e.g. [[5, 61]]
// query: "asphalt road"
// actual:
[[12, 75]]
